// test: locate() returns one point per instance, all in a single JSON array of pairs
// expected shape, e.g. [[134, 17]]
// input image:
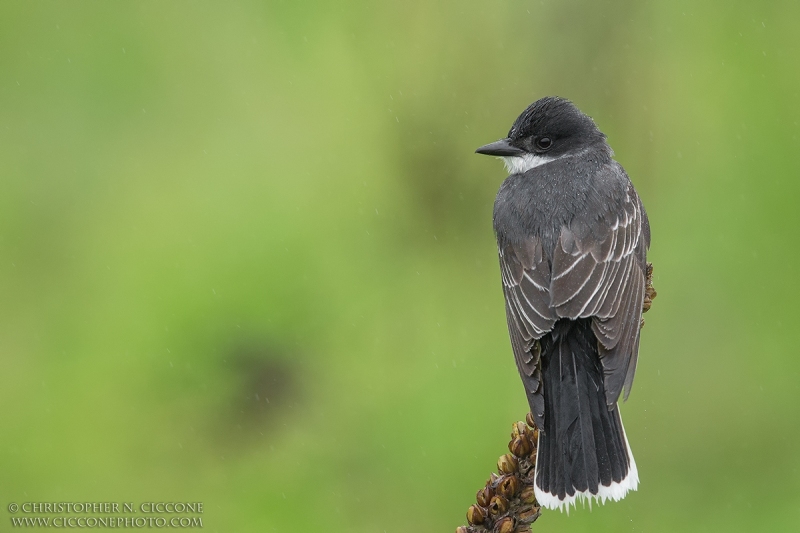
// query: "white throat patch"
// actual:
[[519, 164]]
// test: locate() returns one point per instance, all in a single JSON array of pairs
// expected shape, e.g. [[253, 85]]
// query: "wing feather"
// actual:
[[526, 287], [598, 272]]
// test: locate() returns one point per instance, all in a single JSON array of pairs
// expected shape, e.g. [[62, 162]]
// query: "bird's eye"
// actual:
[[544, 143]]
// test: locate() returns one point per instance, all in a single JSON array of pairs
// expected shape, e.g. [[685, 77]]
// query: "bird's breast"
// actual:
[[537, 203]]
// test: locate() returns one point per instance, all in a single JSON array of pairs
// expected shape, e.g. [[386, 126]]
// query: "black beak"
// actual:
[[500, 148]]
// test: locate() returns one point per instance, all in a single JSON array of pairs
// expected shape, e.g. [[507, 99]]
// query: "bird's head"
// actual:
[[548, 129]]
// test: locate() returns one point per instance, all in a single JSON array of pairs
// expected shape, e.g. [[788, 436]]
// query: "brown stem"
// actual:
[[649, 291]]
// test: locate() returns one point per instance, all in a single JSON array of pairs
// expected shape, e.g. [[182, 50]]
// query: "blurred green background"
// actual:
[[246, 254]]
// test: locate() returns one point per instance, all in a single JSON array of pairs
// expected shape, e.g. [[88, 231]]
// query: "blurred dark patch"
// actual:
[[266, 394], [432, 180], [441, 185]]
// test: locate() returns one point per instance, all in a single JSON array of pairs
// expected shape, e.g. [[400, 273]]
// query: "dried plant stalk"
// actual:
[[507, 503]]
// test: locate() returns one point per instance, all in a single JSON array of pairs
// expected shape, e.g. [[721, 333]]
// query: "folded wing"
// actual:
[[598, 271], [526, 281]]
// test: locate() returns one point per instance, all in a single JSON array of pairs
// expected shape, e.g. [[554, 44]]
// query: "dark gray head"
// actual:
[[550, 128]]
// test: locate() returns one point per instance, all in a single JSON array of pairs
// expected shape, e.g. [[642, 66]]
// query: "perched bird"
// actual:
[[572, 235]]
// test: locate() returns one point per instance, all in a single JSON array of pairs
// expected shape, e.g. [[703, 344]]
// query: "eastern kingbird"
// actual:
[[573, 236]]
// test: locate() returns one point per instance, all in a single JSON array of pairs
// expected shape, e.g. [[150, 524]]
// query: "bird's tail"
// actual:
[[583, 452]]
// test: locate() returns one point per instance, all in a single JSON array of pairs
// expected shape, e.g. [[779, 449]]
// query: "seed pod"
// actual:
[[519, 428], [528, 514], [475, 515], [462, 529], [529, 420], [520, 446], [492, 479], [532, 457], [504, 525], [498, 506], [508, 486], [652, 293], [484, 496], [507, 464], [527, 495]]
